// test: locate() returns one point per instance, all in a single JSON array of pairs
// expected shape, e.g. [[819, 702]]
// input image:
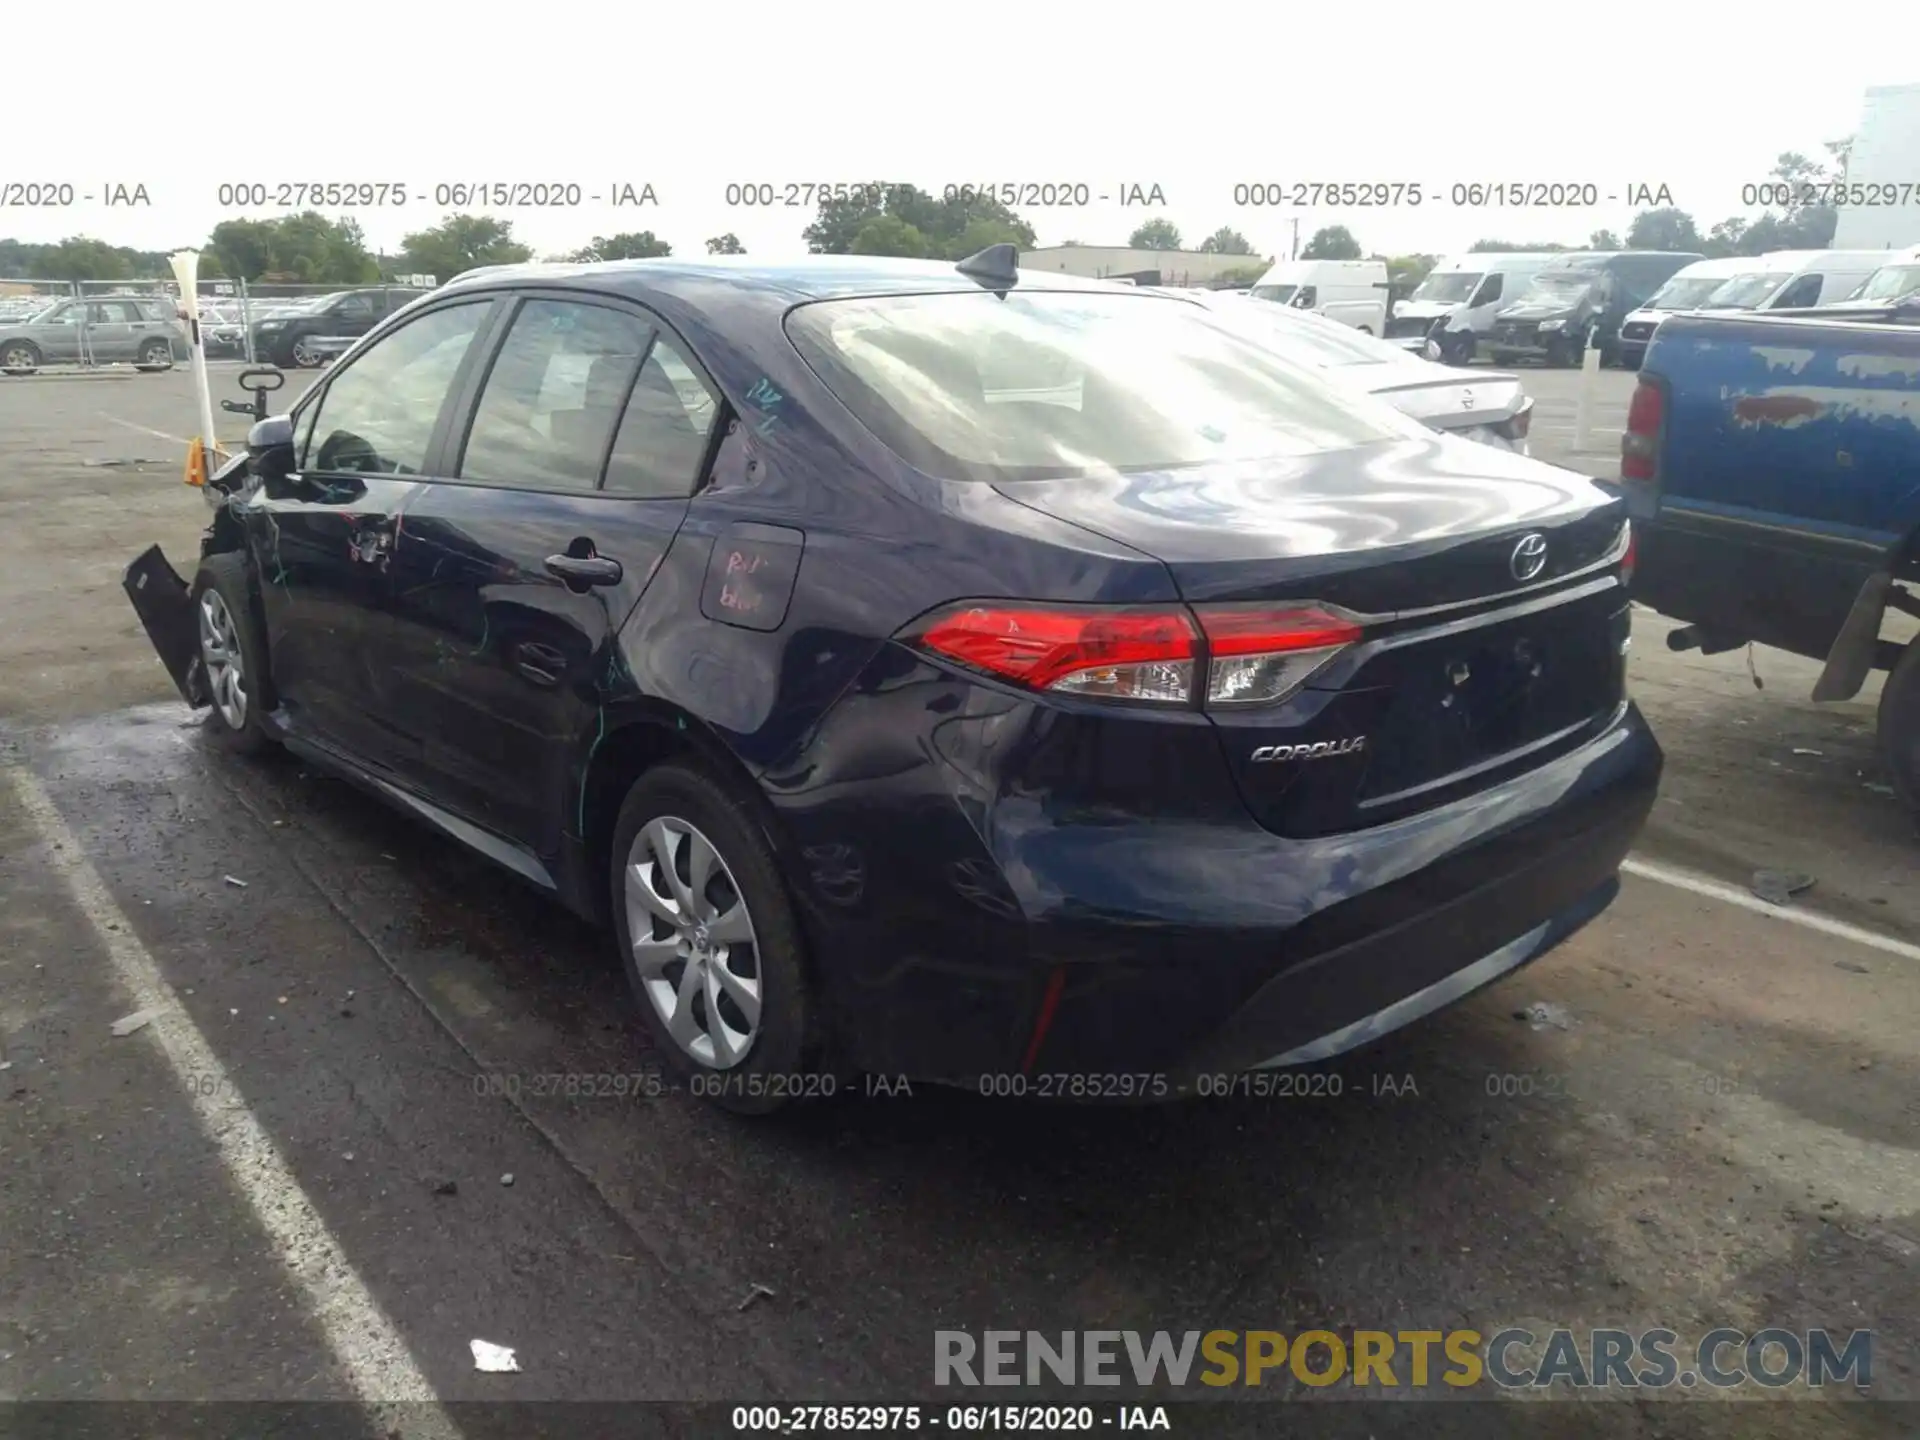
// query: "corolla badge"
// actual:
[[1529, 556], [1316, 750]]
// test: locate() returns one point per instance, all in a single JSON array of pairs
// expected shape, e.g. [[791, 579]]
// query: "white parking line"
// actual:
[[144, 430], [1806, 919], [376, 1361]]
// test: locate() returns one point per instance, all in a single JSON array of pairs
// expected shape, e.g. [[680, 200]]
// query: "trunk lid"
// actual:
[[1473, 665]]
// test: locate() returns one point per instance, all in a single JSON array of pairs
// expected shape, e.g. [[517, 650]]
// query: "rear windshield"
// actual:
[[1047, 385]]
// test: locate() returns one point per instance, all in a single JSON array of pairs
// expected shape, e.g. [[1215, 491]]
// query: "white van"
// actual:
[[1894, 278], [1795, 279], [1353, 292], [1686, 290], [1455, 305]]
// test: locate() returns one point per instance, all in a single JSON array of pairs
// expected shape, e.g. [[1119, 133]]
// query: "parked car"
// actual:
[[1458, 301], [1580, 302], [279, 339], [1776, 503], [223, 330], [1354, 292], [1487, 405], [142, 332], [936, 670]]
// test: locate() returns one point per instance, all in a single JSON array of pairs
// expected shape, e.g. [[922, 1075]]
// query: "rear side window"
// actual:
[[664, 432], [553, 396], [377, 415], [967, 386]]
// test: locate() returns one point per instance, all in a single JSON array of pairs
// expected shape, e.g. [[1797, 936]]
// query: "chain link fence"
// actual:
[[89, 324]]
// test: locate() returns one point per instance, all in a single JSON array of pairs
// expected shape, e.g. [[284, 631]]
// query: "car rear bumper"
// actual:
[[1197, 948]]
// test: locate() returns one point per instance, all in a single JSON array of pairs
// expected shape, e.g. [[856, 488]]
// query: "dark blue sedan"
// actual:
[[936, 670]]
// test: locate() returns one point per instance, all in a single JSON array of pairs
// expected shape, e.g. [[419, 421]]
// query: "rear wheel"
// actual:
[[1899, 727], [710, 943], [232, 653]]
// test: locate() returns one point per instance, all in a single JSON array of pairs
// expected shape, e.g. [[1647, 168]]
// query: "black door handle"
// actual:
[[585, 569]]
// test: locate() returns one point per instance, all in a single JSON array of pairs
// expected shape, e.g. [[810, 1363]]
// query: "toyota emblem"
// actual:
[[1529, 557]]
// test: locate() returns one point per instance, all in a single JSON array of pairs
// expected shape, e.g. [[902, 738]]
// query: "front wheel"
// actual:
[[19, 355], [710, 943], [1899, 727], [233, 653], [304, 355], [155, 355]]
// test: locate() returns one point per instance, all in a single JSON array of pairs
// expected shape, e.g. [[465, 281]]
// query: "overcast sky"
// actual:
[[1194, 98]]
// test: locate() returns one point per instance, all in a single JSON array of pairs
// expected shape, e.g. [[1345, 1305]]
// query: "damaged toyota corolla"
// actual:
[[936, 671]]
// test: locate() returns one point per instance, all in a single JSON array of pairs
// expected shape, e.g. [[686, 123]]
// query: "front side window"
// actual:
[[553, 396], [1103, 384], [377, 415]]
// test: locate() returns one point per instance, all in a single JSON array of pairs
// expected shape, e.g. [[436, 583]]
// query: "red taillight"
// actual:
[[1256, 655], [1116, 653], [1640, 445]]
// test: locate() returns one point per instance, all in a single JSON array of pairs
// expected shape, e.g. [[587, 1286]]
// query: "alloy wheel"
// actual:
[[693, 942], [220, 652]]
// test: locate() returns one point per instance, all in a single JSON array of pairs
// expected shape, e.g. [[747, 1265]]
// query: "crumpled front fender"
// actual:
[[165, 606]]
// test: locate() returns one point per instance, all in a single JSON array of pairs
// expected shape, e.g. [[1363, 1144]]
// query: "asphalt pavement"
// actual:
[[382, 1104]]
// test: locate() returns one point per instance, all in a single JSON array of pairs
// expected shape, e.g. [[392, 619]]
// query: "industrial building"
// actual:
[[1885, 149]]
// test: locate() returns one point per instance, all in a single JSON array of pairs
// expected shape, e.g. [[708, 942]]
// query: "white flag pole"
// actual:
[[186, 269]]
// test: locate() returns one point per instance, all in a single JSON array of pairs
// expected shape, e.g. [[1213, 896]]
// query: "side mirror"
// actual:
[[270, 447]]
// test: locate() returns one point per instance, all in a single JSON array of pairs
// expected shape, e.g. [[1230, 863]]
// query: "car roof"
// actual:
[[783, 283]]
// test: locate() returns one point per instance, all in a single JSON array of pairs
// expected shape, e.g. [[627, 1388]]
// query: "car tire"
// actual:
[[1899, 727], [302, 357], [155, 355], [20, 357], [750, 1064], [233, 653]]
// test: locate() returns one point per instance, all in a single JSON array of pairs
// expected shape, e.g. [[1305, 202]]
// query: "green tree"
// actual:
[[1510, 247], [81, 257], [1604, 240], [462, 242], [628, 245], [954, 227], [1332, 242], [1668, 228], [1156, 234], [889, 235], [1405, 272], [727, 244], [1226, 241], [307, 246]]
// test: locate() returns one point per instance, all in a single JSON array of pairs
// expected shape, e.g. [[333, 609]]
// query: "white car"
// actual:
[[1490, 406]]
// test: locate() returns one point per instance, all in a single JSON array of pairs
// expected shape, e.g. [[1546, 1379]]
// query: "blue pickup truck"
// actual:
[[1772, 464]]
